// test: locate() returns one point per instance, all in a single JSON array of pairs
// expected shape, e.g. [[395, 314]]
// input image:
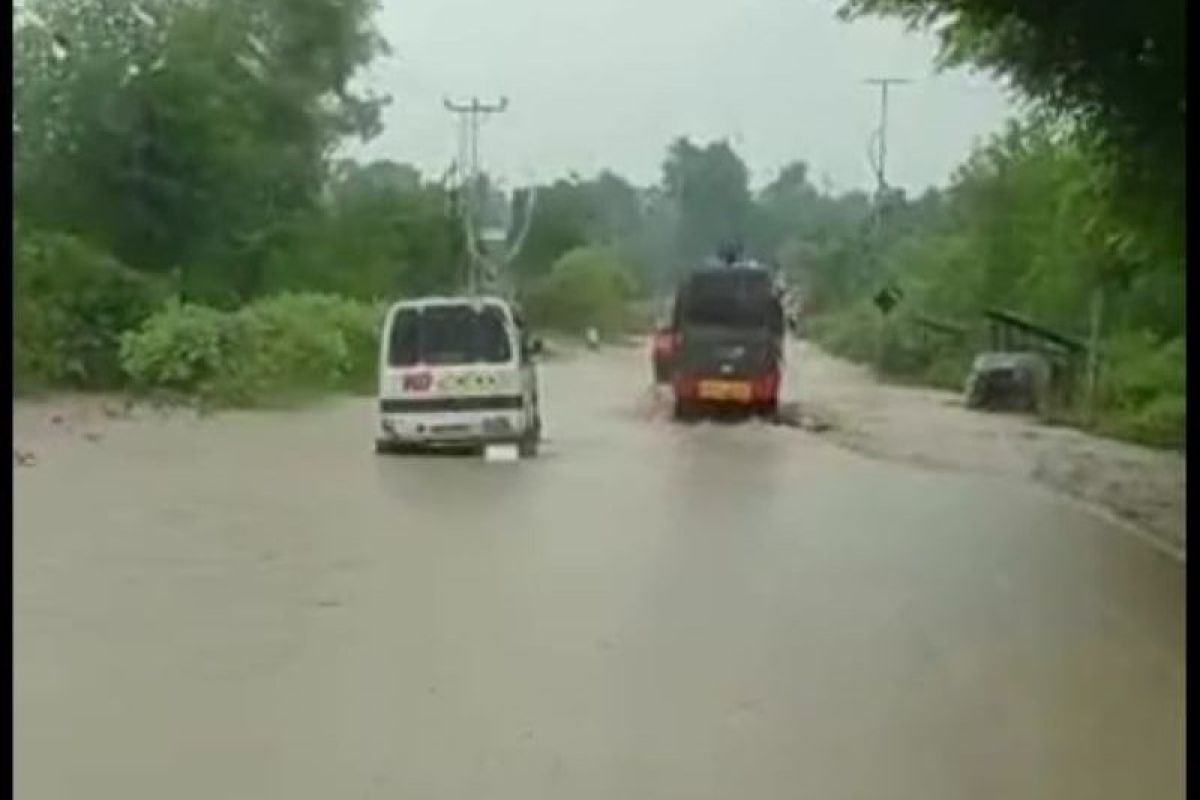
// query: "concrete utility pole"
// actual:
[[879, 149], [877, 154], [470, 115]]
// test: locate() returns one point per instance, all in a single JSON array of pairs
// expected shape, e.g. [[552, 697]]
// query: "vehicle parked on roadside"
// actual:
[[456, 371], [728, 327]]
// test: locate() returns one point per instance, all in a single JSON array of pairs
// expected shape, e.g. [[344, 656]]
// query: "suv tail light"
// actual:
[[685, 386], [765, 386]]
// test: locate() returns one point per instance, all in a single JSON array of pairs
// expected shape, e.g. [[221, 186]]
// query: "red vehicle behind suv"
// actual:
[[662, 348]]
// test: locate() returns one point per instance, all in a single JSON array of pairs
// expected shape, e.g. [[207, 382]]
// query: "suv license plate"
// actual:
[[725, 390]]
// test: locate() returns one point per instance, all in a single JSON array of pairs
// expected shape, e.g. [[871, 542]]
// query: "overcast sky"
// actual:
[[608, 83]]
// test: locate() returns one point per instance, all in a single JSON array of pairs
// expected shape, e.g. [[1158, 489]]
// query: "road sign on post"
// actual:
[[887, 298]]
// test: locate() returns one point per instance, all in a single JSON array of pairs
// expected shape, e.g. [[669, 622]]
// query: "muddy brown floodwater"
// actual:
[[254, 605]]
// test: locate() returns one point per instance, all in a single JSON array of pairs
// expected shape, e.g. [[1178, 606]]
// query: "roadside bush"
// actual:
[[356, 324], [1162, 422], [640, 318], [71, 303], [851, 333], [948, 368], [904, 353], [586, 287], [277, 350], [183, 348], [896, 346], [1143, 394], [1139, 368]]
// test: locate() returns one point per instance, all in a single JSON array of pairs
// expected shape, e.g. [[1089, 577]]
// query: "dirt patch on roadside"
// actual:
[[1146, 488], [48, 422]]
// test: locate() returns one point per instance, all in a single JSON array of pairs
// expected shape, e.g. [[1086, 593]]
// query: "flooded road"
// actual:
[[256, 606]]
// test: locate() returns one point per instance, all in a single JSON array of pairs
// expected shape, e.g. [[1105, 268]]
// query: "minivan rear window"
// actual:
[[450, 334], [404, 348]]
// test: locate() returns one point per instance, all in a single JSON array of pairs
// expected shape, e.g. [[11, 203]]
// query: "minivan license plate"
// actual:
[[725, 390]]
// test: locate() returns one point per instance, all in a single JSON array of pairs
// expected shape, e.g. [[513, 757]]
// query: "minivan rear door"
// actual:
[[446, 350]]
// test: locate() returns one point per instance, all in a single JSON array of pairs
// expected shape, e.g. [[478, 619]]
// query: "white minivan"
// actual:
[[456, 371]]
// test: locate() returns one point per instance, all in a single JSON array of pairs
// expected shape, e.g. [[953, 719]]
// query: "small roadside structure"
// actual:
[[1027, 368], [1004, 381]]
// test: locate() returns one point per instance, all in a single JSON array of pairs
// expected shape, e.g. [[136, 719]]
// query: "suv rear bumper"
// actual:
[[763, 387]]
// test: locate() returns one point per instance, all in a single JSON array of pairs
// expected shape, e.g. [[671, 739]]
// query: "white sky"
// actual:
[[609, 83]]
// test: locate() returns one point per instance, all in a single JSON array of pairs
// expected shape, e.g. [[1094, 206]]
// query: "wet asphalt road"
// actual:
[[255, 606]]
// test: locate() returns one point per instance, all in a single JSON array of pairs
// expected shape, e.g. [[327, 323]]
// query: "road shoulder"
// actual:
[[1143, 487]]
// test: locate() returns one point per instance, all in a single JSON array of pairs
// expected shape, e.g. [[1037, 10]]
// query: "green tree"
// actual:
[[616, 209], [1026, 224], [185, 134], [562, 221], [380, 233], [711, 187], [587, 287], [1115, 70]]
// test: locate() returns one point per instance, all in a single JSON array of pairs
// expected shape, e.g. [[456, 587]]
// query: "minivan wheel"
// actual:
[[685, 410], [527, 447], [384, 447]]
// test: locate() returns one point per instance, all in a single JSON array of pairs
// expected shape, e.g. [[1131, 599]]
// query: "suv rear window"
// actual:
[[732, 299], [444, 335]]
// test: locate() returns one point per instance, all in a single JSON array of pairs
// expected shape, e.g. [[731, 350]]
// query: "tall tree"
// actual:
[[616, 207], [1114, 69], [185, 134], [562, 221], [711, 188]]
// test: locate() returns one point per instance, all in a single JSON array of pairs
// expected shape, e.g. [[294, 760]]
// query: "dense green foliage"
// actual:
[[571, 213], [380, 233], [270, 351], [70, 303], [1025, 226], [1086, 204], [184, 135], [184, 150], [585, 288]]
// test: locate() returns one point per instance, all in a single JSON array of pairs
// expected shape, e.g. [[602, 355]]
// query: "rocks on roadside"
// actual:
[[806, 419], [123, 411]]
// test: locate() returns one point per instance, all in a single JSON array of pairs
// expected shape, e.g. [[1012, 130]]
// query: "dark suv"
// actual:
[[728, 326]]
